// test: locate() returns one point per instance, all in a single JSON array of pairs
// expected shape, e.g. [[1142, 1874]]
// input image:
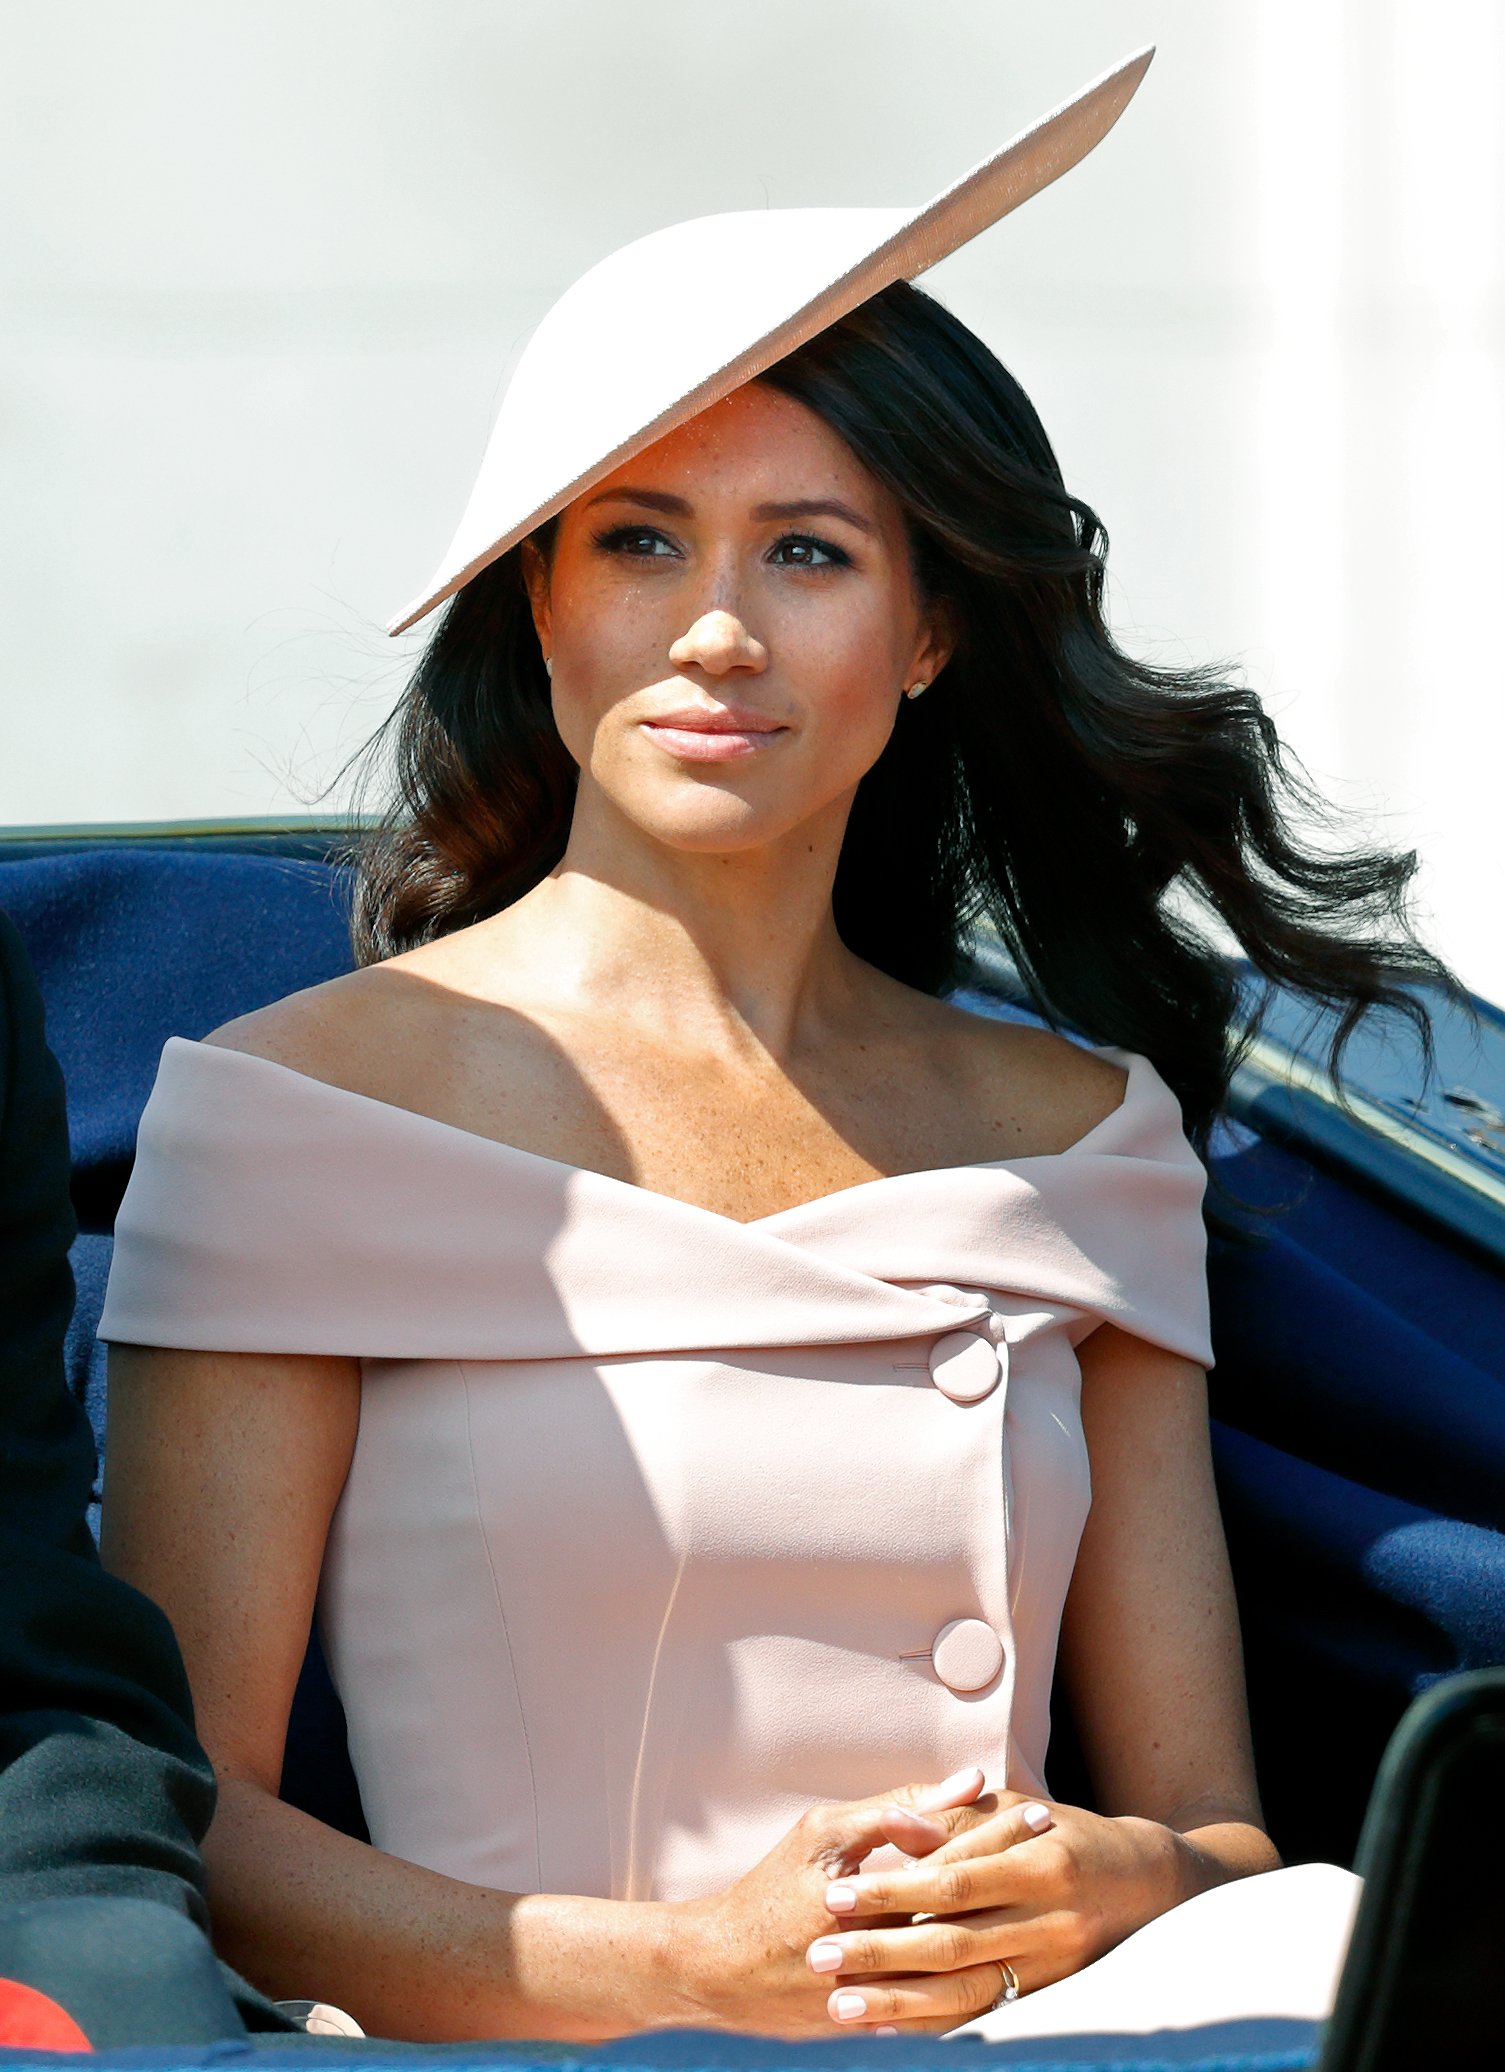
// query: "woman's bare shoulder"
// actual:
[[397, 1031], [346, 1030], [1025, 1082], [286, 1031]]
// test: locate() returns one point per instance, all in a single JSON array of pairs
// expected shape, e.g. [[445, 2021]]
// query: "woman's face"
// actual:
[[732, 620]]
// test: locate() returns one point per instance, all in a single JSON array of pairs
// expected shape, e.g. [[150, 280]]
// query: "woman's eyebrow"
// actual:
[[655, 499], [680, 507], [816, 507]]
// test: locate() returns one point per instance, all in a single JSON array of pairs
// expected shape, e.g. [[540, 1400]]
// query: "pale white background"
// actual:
[[266, 267]]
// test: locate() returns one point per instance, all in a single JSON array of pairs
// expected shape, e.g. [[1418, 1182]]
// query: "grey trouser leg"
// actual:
[[127, 1970]]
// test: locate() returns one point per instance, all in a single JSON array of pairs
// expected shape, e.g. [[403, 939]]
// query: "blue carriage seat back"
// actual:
[[132, 945]]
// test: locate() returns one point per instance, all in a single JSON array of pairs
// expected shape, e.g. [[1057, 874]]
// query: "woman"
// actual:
[[668, 1336]]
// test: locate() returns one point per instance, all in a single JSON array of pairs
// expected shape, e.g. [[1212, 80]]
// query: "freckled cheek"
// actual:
[[851, 705], [617, 634], [594, 728], [613, 649]]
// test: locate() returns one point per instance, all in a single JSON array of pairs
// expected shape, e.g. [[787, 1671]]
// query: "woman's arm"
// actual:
[[224, 1471], [1150, 1643]]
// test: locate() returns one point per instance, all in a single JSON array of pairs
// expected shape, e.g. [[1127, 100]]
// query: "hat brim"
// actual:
[[1027, 163]]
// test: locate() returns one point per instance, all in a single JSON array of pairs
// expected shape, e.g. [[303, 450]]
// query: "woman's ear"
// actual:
[[940, 637], [536, 582]]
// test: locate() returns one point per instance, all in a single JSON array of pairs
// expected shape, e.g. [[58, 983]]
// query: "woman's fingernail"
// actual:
[[1037, 1818], [848, 2007], [824, 1956], [841, 1899], [952, 1787], [884, 2030]]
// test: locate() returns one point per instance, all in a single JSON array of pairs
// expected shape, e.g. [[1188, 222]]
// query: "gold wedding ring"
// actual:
[[1008, 1984]]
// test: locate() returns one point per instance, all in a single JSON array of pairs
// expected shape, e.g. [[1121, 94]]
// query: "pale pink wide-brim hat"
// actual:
[[671, 323]]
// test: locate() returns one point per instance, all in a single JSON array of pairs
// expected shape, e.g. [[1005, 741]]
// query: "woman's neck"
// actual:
[[730, 952]]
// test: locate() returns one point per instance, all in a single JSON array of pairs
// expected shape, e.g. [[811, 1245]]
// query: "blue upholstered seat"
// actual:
[[132, 946], [1359, 1390]]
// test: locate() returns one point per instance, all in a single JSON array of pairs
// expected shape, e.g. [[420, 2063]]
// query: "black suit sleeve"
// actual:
[[103, 1786]]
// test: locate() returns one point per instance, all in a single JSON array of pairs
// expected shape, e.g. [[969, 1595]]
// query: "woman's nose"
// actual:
[[718, 641]]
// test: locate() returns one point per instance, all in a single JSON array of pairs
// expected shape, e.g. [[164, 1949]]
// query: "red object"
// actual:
[[30, 2021]]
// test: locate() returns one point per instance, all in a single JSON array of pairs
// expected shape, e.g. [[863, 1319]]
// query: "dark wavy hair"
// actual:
[[1081, 804]]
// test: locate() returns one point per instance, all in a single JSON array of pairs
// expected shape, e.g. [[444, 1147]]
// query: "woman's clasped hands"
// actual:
[[1017, 1894], [1001, 1888]]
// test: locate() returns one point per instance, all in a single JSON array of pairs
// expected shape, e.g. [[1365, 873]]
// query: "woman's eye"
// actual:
[[647, 543], [806, 552], [642, 542]]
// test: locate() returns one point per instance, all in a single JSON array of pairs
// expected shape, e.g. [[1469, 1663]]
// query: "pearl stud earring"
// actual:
[[916, 688], [548, 665]]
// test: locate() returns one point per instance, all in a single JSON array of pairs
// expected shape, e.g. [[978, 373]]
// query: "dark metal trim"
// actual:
[[1284, 1092], [296, 835]]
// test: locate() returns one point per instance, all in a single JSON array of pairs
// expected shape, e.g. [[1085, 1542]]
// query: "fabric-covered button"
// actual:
[[966, 1655], [965, 1366]]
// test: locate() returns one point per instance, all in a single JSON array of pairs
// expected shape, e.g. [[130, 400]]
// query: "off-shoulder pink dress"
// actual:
[[660, 1526]]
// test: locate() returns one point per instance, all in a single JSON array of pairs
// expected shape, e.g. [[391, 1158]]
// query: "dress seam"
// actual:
[[501, 1611]]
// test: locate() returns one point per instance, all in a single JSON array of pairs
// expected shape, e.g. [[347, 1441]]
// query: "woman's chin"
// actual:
[[715, 823]]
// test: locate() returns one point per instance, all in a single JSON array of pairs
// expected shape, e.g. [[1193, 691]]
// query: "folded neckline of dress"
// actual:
[[1133, 1062], [242, 1229]]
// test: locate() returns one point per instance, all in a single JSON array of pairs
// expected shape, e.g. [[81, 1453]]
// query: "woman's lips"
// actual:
[[718, 737]]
